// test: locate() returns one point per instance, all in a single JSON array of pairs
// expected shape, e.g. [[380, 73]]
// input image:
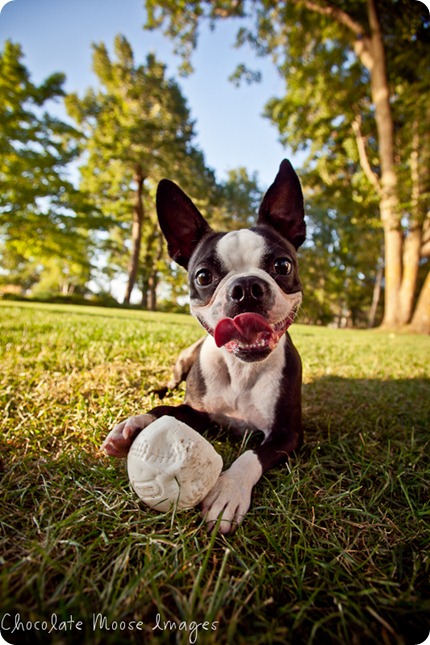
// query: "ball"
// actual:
[[171, 465]]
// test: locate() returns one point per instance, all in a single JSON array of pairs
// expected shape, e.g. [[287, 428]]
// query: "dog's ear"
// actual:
[[182, 224], [282, 206]]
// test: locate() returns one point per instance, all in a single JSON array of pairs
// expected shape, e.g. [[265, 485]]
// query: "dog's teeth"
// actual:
[[257, 345]]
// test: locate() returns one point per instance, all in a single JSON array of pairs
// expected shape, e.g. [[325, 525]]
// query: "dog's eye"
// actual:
[[283, 266], [203, 277]]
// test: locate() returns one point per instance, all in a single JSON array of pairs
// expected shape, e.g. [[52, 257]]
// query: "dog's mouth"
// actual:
[[250, 334]]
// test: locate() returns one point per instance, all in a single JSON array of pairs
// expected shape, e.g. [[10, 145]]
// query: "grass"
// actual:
[[334, 550]]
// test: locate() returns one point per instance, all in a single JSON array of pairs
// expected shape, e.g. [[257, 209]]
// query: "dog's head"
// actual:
[[244, 285]]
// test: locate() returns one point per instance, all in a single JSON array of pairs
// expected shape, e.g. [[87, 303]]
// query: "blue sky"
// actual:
[[56, 35]]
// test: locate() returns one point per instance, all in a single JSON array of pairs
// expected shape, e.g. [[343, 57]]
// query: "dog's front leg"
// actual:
[[230, 498], [119, 440]]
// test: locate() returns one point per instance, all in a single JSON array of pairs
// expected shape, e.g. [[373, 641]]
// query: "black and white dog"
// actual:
[[246, 373]]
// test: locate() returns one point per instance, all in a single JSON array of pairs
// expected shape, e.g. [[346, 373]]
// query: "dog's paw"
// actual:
[[230, 498], [120, 438], [227, 500]]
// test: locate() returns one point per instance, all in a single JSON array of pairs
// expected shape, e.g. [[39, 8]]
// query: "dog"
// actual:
[[245, 374]]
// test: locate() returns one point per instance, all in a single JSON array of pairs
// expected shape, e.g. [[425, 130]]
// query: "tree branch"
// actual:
[[362, 153], [362, 45], [340, 16]]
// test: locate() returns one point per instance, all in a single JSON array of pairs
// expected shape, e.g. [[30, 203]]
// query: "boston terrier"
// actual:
[[245, 374]]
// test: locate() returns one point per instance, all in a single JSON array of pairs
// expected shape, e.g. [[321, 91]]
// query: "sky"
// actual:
[[56, 35]]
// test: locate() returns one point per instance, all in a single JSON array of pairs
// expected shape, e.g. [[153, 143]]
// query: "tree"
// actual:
[[240, 198], [138, 129], [369, 58], [337, 266], [42, 215]]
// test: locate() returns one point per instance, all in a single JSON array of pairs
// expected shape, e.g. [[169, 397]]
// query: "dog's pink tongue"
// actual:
[[244, 328]]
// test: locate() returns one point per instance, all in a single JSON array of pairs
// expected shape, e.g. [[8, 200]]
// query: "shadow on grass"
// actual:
[[343, 406]]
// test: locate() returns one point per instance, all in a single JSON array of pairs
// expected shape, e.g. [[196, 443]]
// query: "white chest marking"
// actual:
[[244, 391]]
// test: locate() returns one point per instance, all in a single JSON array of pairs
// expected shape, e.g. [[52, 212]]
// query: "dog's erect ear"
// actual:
[[282, 206], [182, 224]]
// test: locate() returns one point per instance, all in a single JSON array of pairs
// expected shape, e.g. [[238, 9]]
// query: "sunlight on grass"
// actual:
[[334, 549]]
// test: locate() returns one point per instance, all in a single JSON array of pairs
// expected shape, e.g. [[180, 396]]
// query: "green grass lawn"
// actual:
[[335, 548]]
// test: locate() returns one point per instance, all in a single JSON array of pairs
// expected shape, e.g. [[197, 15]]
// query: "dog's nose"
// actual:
[[249, 289]]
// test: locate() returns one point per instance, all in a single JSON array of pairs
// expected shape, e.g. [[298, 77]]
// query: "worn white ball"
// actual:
[[171, 465]]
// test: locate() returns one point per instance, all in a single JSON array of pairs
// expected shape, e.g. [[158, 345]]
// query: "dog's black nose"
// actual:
[[250, 289]]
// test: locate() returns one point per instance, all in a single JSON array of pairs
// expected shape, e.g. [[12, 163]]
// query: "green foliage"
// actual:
[[333, 550], [327, 110], [327, 91], [138, 117], [181, 21], [137, 129], [240, 198], [44, 220], [138, 122], [339, 261]]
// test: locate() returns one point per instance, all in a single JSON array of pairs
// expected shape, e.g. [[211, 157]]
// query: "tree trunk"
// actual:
[[411, 260], [413, 242], [136, 235], [154, 278], [144, 286], [371, 51], [376, 296], [421, 318], [393, 273], [389, 204], [148, 268], [152, 299]]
